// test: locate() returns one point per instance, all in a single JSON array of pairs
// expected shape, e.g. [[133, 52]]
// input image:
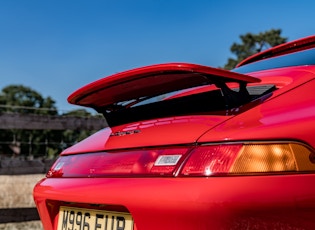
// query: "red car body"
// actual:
[[219, 150]]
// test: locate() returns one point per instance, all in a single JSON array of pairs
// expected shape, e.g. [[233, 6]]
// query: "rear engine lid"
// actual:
[[181, 130], [144, 93]]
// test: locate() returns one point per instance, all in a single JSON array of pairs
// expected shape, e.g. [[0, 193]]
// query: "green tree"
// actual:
[[24, 100], [254, 43]]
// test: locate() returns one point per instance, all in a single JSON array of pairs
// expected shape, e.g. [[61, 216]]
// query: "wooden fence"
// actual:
[[49, 122]]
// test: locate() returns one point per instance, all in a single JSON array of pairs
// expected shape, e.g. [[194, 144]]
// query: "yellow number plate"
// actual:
[[90, 219]]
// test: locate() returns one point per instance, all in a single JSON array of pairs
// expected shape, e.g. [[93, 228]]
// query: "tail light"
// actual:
[[207, 160], [247, 159]]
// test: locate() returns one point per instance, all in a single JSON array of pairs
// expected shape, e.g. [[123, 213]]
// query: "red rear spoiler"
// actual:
[[149, 81]]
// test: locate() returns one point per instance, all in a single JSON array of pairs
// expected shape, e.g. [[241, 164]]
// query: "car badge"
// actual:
[[123, 133]]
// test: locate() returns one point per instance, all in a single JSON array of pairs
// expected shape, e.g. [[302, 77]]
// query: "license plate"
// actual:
[[91, 219]]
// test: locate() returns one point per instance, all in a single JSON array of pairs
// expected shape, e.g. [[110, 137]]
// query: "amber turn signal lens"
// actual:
[[265, 158]]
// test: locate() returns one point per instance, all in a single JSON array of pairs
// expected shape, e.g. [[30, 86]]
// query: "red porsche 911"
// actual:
[[193, 147]]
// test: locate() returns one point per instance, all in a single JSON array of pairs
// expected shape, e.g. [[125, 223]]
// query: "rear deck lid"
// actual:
[[120, 96]]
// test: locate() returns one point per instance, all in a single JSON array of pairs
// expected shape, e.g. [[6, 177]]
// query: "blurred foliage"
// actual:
[[35, 143], [18, 98], [254, 43]]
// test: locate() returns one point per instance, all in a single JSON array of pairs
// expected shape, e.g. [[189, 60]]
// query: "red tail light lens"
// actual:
[[153, 162], [211, 160]]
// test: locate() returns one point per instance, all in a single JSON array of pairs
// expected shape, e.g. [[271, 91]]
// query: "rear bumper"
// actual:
[[260, 202]]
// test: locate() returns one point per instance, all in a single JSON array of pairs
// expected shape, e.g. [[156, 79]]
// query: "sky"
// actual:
[[57, 46]]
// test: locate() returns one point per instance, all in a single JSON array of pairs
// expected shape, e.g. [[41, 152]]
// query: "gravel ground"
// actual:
[[30, 225], [16, 192]]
